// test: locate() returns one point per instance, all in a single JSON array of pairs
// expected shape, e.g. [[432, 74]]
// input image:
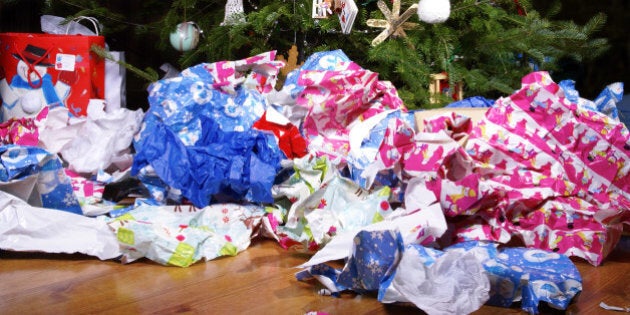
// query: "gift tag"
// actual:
[[65, 62]]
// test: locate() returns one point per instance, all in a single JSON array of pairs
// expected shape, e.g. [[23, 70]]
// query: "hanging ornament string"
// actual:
[[185, 11], [294, 29]]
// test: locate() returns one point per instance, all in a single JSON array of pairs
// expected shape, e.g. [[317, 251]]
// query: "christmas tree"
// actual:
[[487, 46]]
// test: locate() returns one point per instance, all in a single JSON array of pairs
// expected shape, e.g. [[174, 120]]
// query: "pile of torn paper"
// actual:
[[221, 157]]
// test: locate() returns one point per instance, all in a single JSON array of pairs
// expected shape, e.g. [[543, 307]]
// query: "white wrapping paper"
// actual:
[[27, 228]]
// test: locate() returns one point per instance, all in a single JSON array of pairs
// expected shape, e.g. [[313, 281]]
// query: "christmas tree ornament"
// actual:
[[291, 62], [434, 11], [519, 8], [322, 9], [395, 23], [440, 85], [347, 11], [186, 36], [234, 13]]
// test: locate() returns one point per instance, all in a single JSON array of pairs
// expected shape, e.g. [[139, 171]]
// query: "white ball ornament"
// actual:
[[434, 11], [186, 36]]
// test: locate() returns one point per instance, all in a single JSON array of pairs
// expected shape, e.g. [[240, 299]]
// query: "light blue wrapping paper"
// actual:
[[54, 187]]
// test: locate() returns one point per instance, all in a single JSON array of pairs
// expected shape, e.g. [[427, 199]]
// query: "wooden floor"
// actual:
[[257, 281]]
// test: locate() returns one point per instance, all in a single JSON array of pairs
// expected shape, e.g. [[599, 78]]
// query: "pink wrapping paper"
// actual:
[[536, 168], [337, 99], [22, 131], [553, 175], [229, 74]]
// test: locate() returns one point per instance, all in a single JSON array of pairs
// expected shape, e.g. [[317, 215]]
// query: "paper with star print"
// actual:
[[456, 280], [38, 175]]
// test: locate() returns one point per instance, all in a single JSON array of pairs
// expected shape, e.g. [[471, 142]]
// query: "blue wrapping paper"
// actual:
[[605, 102], [197, 140], [374, 253], [515, 274], [220, 166], [624, 110], [528, 275], [17, 163], [362, 157], [608, 98]]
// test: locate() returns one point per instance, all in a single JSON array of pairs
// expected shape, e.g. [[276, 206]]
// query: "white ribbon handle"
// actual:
[[81, 18]]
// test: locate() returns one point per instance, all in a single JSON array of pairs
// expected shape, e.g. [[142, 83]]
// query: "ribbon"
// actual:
[[31, 67]]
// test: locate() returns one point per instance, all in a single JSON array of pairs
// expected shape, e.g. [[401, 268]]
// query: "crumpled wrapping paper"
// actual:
[[510, 275], [89, 192], [20, 131], [224, 91], [182, 235], [307, 174], [322, 60], [547, 171], [365, 141], [456, 280], [605, 102], [409, 154], [92, 143], [472, 102], [87, 144], [380, 262], [526, 275], [336, 100], [316, 203], [39, 175], [219, 167], [437, 283], [514, 174], [290, 140], [336, 206], [536, 167], [415, 226], [28, 228], [196, 140]]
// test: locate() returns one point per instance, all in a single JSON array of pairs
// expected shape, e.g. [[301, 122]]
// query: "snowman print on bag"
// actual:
[[32, 87]]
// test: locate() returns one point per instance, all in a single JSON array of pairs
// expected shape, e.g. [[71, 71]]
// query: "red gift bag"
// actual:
[[49, 70]]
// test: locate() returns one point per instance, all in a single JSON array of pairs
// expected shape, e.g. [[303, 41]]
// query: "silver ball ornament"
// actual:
[[186, 36]]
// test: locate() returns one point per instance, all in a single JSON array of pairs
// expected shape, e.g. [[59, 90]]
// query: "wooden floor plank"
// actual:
[[259, 280]]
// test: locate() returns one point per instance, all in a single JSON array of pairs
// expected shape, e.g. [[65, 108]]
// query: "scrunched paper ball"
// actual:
[[434, 11]]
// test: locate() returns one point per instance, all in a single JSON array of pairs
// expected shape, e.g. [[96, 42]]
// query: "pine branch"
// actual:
[[485, 44], [149, 74]]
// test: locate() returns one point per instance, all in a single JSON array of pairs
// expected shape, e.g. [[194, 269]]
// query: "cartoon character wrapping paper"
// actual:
[[546, 171]]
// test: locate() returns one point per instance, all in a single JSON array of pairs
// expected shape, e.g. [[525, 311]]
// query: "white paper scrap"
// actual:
[[27, 228]]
